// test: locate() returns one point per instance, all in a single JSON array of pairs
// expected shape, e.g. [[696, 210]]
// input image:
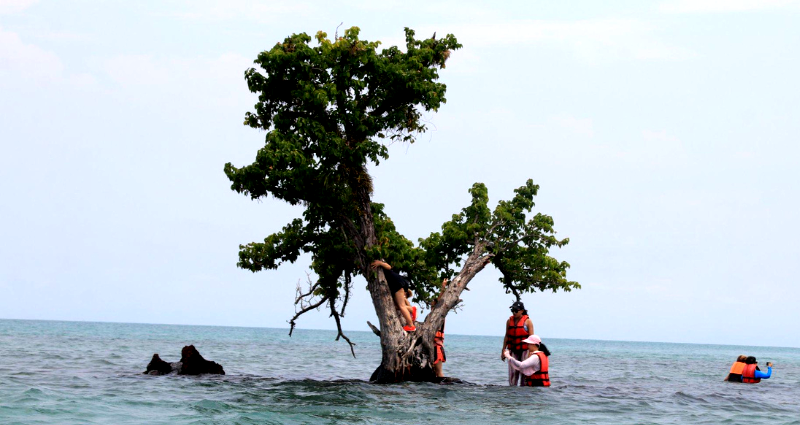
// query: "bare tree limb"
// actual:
[[304, 311], [311, 288], [375, 330], [348, 285], [335, 314]]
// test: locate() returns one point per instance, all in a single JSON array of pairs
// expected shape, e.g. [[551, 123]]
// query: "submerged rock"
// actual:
[[158, 366], [195, 364], [192, 363]]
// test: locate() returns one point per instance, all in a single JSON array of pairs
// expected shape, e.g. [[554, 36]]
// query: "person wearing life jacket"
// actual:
[[440, 357], [536, 368], [518, 327], [751, 374], [735, 374], [438, 341]]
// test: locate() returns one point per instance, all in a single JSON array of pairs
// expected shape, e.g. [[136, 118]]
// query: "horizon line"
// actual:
[[370, 332]]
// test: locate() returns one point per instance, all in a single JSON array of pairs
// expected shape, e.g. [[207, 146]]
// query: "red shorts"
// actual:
[[440, 357]]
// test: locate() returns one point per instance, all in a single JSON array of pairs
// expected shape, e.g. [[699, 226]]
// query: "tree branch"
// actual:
[[335, 314], [304, 311], [375, 330], [348, 285]]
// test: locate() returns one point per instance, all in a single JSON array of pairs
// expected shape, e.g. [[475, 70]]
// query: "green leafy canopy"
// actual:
[[330, 108]]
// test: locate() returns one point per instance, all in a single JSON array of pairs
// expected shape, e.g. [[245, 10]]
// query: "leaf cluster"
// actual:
[[517, 241]]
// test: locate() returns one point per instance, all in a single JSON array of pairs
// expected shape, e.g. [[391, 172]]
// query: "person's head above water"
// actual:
[[741, 358], [750, 360], [533, 339], [518, 306]]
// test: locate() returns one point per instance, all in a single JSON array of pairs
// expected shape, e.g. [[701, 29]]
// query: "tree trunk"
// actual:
[[408, 356]]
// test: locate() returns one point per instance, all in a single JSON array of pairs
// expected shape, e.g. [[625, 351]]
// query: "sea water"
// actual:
[[85, 373]]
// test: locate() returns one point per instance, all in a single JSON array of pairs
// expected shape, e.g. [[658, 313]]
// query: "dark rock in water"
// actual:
[[450, 381], [158, 366], [194, 364]]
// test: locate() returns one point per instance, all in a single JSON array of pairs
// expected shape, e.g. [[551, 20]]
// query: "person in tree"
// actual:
[[398, 285], [535, 370], [408, 305], [518, 327]]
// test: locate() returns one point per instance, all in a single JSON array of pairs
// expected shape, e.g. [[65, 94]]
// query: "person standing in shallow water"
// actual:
[[535, 369], [752, 374], [518, 327], [735, 374], [438, 340]]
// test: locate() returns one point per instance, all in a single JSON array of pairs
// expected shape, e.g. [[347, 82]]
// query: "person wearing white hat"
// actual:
[[536, 368]]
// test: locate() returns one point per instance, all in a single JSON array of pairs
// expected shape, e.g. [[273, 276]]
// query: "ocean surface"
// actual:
[[91, 373]]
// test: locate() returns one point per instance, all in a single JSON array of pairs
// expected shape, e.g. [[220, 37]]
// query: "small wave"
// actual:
[[680, 395], [211, 406]]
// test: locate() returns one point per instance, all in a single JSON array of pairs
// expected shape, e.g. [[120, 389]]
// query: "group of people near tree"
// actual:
[[525, 352], [745, 369], [401, 293]]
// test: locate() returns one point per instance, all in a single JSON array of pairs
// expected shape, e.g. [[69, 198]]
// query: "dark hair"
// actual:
[[543, 349], [750, 360]]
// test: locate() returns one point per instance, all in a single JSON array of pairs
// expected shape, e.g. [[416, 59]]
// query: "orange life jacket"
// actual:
[[749, 374], [542, 377], [735, 375], [438, 339], [737, 368], [515, 332]]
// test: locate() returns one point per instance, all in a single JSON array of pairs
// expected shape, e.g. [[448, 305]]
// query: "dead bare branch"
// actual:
[[335, 314], [304, 311], [375, 330], [348, 285]]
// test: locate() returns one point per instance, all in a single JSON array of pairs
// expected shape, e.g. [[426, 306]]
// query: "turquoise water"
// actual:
[[84, 373]]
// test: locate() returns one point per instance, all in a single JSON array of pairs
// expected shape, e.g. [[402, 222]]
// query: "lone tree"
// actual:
[[328, 110]]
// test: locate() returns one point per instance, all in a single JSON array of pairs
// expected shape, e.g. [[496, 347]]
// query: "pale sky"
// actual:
[[663, 135]]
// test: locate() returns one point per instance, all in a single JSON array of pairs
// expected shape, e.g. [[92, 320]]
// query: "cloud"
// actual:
[[581, 127], [14, 6], [26, 60], [263, 12], [591, 40], [165, 81], [659, 136], [711, 6], [135, 70], [146, 70]]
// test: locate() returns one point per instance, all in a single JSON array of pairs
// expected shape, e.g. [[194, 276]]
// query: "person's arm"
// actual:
[[531, 362], [441, 292], [762, 375], [378, 263], [505, 344], [530, 326]]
